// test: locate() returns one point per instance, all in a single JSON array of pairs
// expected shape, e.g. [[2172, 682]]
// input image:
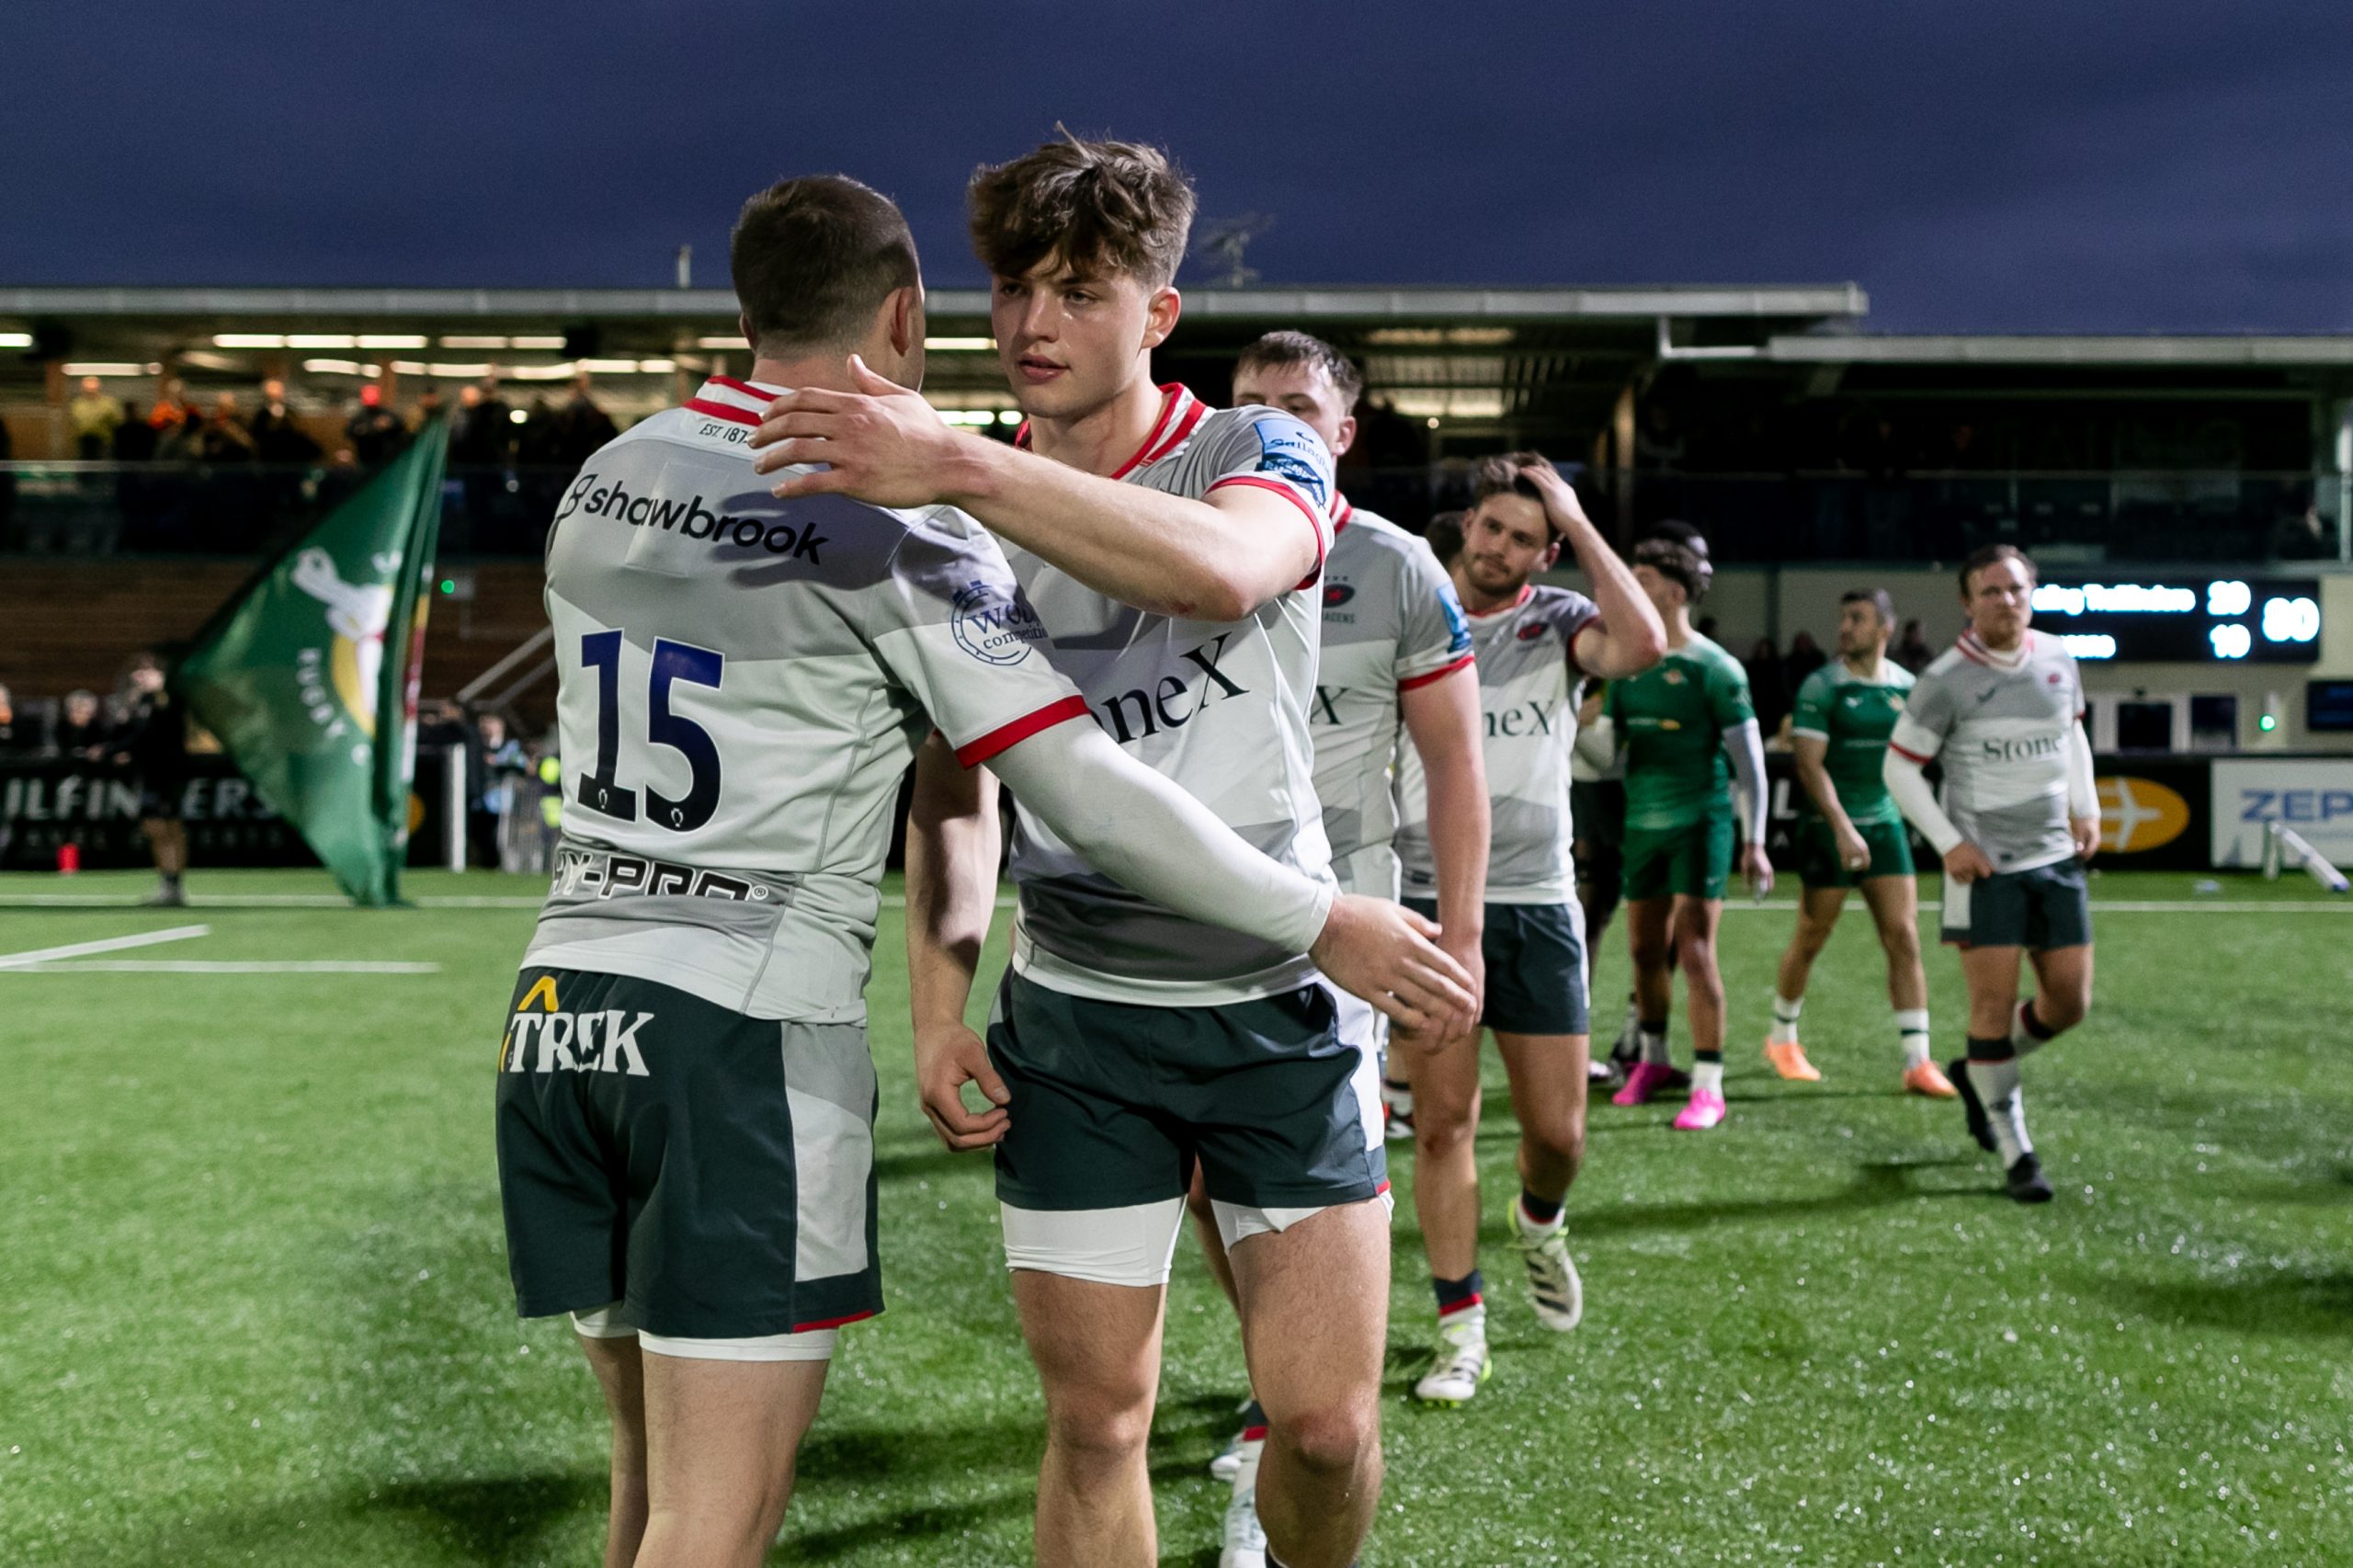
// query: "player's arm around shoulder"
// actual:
[[1626, 637]]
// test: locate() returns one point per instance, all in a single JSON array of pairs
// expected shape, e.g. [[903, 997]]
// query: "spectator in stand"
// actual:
[[82, 732], [173, 410], [584, 427], [225, 437], [1912, 650], [154, 746], [96, 416], [428, 408], [374, 431], [277, 439], [482, 445], [19, 733], [1768, 690], [1805, 657]]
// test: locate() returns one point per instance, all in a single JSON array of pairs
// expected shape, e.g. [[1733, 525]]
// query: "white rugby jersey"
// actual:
[[1527, 679], [745, 681], [1219, 708], [1390, 622], [2003, 726]]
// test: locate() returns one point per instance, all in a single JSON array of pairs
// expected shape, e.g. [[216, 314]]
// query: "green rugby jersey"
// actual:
[[1854, 715], [1671, 721]]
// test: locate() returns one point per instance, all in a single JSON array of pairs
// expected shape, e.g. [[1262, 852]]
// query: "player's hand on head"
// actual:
[[1556, 489], [947, 1057], [1964, 862], [882, 443], [1388, 955]]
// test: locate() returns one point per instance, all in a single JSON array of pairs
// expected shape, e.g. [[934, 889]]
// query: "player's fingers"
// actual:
[[1403, 1013], [1421, 922], [784, 427], [866, 379], [817, 482], [985, 1074], [811, 397], [794, 450]]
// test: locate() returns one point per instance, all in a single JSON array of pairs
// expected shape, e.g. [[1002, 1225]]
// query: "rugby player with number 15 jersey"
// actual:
[[1535, 643], [685, 1099], [2002, 711], [1172, 555]]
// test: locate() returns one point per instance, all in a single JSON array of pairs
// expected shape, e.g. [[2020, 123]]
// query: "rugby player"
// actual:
[[1396, 650], [1851, 835], [685, 1100], [1689, 735], [1535, 643], [1173, 555], [2002, 710]]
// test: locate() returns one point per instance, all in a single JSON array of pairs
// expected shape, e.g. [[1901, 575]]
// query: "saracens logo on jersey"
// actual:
[[994, 623], [554, 1041]]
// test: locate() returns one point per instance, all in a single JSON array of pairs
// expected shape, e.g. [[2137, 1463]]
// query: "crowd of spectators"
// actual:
[[238, 473]]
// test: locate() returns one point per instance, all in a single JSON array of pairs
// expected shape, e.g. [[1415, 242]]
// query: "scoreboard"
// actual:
[[2185, 619]]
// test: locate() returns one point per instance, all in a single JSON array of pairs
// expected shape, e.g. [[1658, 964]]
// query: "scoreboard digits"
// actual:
[[2223, 620]]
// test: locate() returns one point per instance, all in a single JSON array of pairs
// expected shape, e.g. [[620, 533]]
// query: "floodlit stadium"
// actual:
[[1068, 822]]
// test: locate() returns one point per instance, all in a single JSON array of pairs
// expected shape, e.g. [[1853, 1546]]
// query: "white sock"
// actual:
[[1911, 1028], [1708, 1075], [1996, 1083], [1654, 1047], [1785, 1020]]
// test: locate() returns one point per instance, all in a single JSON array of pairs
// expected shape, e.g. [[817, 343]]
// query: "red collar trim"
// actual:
[[749, 389], [1527, 592], [1181, 411], [1345, 516]]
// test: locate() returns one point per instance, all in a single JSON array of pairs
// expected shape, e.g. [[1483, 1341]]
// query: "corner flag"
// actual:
[[309, 675]]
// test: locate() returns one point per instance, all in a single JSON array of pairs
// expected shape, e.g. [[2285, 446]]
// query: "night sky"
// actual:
[[2056, 166]]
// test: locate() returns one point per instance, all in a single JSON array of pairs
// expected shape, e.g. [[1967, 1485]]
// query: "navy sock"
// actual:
[[1453, 1295], [1543, 1212], [1715, 1056], [1252, 1415], [1991, 1049]]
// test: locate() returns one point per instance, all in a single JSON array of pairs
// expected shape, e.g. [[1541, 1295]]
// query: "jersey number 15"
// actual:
[[672, 662]]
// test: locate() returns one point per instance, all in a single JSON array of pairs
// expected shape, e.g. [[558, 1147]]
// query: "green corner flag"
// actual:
[[309, 675]]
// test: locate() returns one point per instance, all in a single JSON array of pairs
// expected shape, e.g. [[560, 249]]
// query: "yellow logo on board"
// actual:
[[2138, 813]]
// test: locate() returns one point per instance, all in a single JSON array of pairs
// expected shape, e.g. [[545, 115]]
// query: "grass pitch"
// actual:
[[257, 1307]]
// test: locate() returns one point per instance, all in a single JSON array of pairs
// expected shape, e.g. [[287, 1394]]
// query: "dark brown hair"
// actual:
[[1445, 536], [813, 258], [1878, 598], [1118, 206], [1279, 350], [1981, 559], [1678, 561]]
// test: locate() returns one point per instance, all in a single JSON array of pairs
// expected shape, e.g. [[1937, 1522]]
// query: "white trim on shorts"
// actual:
[[1133, 1245], [810, 1345]]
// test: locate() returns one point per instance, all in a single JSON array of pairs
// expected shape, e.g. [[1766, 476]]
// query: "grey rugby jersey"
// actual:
[[1390, 623], [743, 683], [1220, 709], [1527, 680], [2003, 731]]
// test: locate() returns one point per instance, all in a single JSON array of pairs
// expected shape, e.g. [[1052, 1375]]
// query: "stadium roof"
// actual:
[[1839, 300]]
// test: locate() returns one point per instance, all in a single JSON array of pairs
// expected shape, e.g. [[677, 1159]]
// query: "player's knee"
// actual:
[[1332, 1437], [1100, 1433], [1442, 1131], [1649, 951], [1561, 1138], [2060, 1008]]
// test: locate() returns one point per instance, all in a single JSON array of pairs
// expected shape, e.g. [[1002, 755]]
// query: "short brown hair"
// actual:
[[1120, 205], [1981, 559], [1279, 350], [813, 258], [1883, 604], [1445, 536]]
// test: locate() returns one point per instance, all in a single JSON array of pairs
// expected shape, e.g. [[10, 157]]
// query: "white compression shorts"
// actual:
[[811, 1345]]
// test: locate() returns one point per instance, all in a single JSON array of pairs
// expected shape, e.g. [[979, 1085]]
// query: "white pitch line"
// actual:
[[107, 945], [227, 966]]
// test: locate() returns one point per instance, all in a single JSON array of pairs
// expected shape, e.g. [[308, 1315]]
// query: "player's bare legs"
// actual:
[[1818, 911], [622, 1374], [1992, 976], [1314, 1326], [1547, 1097], [1446, 1167], [721, 1440], [1693, 926], [1196, 1203], [1098, 1350], [2063, 994], [1894, 903]]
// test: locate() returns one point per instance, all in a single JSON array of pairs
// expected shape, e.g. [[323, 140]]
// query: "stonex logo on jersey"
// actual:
[[1523, 719], [690, 517], [2026, 748], [1172, 701], [571, 1042]]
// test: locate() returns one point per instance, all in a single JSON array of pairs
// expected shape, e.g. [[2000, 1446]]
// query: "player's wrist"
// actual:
[[974, 469]]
